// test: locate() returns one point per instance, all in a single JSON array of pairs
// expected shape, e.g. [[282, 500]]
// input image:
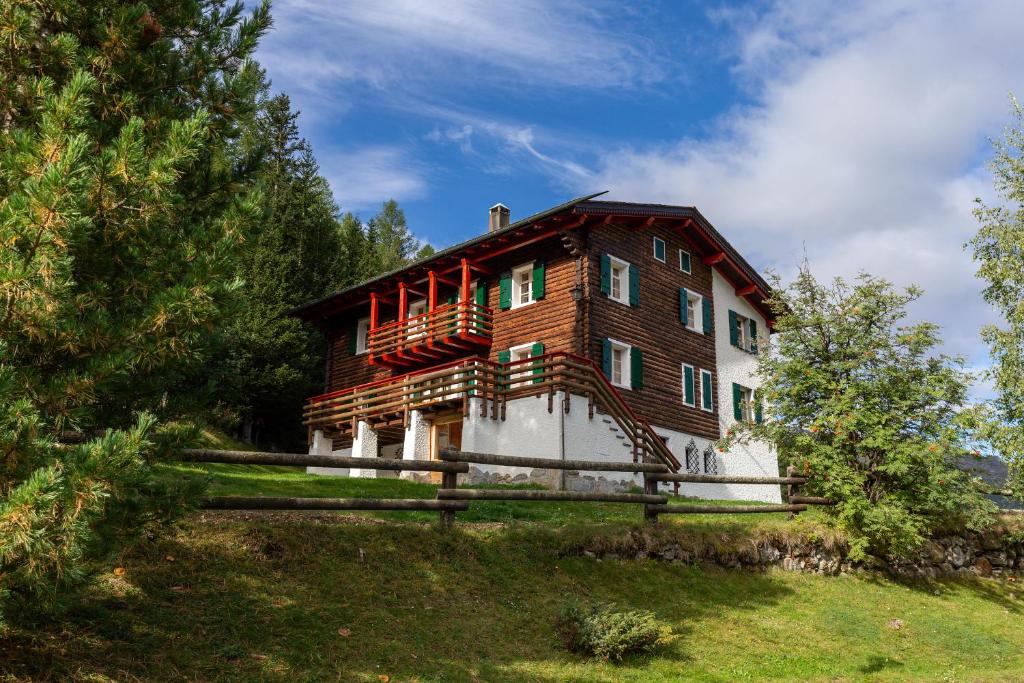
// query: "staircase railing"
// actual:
[[495, 384]]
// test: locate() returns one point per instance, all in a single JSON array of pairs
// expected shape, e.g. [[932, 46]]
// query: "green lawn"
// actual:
[[341, 597]]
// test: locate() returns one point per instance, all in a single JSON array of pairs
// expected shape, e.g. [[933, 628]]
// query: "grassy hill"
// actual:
[[338, 597]]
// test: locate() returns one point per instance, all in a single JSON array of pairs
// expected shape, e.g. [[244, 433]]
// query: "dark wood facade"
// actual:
[[574, 315]]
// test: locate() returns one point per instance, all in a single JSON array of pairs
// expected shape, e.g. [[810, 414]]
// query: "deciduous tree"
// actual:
[[858, 400]]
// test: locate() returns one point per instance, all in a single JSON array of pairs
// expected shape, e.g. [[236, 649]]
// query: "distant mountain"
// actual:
[[993, 471]]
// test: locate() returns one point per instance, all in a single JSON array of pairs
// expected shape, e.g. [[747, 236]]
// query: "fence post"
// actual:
[[449, 480], [650, 488], [792, 490]]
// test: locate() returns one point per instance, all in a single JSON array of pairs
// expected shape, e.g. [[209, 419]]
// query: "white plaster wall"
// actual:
[[530, 430], [735, 365]]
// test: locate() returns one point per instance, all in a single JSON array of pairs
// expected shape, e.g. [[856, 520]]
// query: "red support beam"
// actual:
[[403, 301], [431, 291], [465, 281], [714, 258], [746, 291]]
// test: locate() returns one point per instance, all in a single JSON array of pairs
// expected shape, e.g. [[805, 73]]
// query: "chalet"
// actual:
[[592, 330]]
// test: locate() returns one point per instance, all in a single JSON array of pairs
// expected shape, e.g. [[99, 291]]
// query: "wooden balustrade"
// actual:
[[495, 382], [452, 328]]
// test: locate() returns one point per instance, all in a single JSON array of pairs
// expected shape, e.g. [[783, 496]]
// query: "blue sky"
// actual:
[[855, 132]]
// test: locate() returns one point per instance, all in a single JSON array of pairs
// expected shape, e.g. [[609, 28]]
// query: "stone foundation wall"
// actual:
[[989, 554]]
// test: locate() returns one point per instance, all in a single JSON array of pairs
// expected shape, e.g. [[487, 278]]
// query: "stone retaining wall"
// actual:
[[993, 553]]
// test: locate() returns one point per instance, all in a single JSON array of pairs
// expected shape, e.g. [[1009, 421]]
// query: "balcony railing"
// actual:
[[447, 330], [390, 400]]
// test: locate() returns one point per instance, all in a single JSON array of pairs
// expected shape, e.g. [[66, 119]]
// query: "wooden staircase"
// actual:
[[387, 403]]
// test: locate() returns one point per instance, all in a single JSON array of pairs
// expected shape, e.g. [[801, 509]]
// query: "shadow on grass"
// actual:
[[298, 601]]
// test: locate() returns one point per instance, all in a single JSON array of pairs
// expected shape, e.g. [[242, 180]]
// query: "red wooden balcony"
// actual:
[[447, 331]]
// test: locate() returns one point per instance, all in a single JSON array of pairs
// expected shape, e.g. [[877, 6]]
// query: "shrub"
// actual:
[[610, 634]]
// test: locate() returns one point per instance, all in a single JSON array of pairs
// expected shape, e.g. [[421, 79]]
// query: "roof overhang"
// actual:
[[572, 215]]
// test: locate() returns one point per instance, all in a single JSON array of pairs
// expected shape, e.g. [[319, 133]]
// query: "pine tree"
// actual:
[[393, 244], [272, 362], [123, 200]]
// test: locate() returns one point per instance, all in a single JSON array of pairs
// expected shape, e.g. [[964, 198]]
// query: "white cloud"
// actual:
[[863, 142], [363, 178], [458, 42]]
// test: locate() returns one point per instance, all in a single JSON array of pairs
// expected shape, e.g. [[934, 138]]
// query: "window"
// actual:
[[692, 458], [743, 404], [620, 365], [684, 261], [706, 399], [416, 327], [620, 281], [362, 334], [694, 311], [710, 460], [742, 332], [522, 285], [659, 249], [521, 352], [689, 388]]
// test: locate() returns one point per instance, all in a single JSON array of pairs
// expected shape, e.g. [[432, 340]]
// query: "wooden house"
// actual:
[[592, 330]]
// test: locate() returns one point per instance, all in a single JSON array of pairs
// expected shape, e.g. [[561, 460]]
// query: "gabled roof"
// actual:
[[565, 217]]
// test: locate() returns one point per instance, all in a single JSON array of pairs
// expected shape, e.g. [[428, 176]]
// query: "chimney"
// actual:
[[499, 218]]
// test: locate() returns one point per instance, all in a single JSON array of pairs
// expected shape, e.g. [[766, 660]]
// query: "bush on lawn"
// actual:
[[610, 634]]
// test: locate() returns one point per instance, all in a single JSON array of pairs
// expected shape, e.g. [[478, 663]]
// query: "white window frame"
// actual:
[[417, 330], [516, 292], [362, 335], [664, 249], [711, 392], [516, 353], [693, 372], [747, 404], [623, 266], [689, 258], [743, 337], [626, 372], [695, 322]]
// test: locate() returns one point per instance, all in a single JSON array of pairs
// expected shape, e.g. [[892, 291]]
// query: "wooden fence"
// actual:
[[451, 499]]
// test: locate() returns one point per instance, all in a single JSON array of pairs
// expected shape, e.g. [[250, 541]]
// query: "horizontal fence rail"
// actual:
[[550, 463], [531, 494], [450, 499], [723, 509], [304, 460], [726, 479], [283, 503]]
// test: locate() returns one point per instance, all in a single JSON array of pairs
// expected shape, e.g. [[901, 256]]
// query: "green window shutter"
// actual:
[[536, 351], [481, 293], [705, 390], [636, 368], [683, 308], [734, 329], [684, 261], [737, 402], [606, 357], [709, 320], [758, 413], [353, 338], [538, 280], [452, 315], [505, 291], [688, 397], [504, 356], [634, 285], [606, 274], [753, 336]]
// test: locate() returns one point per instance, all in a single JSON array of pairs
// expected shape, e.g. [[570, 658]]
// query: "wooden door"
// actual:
[[445, 433]]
